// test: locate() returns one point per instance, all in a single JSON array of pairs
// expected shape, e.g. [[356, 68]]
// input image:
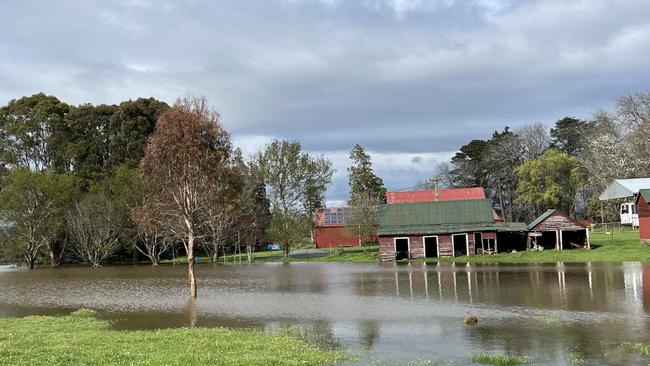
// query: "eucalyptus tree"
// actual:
[[32, 209], [33, 133], [187, 169]]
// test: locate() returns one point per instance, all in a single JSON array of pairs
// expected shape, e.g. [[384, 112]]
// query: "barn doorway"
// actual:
[[460, 245], [430, 246], [401, 248], [574, 239]]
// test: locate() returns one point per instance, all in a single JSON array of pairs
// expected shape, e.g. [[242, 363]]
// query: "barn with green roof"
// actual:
[[445, 229]]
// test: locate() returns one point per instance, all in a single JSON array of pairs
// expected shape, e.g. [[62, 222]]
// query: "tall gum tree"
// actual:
[[187, 169]]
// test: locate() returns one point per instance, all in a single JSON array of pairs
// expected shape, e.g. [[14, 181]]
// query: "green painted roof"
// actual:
[[440, 217], [645, 193], [541, 218]]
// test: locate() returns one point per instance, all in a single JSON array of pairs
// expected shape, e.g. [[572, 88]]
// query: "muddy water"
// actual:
[[551, 313]]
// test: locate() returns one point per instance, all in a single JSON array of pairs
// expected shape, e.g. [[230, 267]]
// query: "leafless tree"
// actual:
[[534, 140], [96, 228]]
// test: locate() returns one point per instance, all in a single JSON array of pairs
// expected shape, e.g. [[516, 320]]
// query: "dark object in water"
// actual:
[[471, 320]]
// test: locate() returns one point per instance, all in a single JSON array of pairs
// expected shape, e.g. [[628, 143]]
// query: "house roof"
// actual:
[[645, 193], [549, 213], [541, 218], [440, 217], [429, 195], [333, 216], [623, 188]]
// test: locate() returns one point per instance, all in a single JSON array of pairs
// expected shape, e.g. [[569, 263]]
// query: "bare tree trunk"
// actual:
[[54, 260], [190, 263]]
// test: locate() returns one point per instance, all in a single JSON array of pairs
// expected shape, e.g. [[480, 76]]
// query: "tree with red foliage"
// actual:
[[187, 168]]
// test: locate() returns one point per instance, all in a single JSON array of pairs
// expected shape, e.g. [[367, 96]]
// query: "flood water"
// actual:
[[380, 312]]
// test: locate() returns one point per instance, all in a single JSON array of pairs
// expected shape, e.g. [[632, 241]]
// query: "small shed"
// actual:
[[643, 209], [556, 230]]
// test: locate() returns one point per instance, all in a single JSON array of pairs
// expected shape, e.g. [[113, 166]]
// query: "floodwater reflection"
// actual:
[[550, 312]]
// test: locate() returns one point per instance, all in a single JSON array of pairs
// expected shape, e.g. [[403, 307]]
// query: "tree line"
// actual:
[[530, 169], [96, 183]]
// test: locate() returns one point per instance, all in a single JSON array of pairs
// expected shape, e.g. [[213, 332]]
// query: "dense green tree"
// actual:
[[33, 133], [294, 181], [130, 125], [88, 148], [550, 181], [568, 135], [362, 179], [32, 209], [470, 167]]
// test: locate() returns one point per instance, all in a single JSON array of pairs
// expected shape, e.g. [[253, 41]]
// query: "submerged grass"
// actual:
[[83, 339], [363, 254], [638, 348], [498, 360]]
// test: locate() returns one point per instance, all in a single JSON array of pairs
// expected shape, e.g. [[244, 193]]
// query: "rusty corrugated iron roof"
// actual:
[[444, 194]]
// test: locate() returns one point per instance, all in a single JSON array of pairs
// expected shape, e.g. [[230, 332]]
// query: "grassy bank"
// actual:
[[623, 245], [82, 339]]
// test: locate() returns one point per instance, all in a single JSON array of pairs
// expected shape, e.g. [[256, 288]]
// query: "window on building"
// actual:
[[624, 209]]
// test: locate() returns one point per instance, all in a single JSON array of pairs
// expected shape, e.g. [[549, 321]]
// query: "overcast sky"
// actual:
[[411, 80]]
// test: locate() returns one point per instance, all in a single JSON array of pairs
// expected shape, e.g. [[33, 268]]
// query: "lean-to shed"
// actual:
[[556, 230]]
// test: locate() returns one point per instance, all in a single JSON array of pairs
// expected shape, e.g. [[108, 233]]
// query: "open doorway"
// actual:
[[460, 245], [574, 239], [401, 248], [430, 246]]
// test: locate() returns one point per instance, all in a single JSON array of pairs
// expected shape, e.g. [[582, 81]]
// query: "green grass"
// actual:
[[625, 246], [498, 360], [83, 339]]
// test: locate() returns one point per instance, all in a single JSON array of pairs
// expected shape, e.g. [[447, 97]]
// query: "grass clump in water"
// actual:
[[639, 348], [499, 360], [576, 359], [82, 339]]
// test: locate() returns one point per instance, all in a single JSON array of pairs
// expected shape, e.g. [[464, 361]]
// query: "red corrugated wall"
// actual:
[[643, 208], [644, 227], [333, 236]]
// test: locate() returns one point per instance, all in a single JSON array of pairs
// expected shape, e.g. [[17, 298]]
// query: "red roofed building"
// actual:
[[330, 228], [429, 195]]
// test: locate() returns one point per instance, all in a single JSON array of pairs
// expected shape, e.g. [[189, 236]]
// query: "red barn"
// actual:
[[330, 228], [643, 209]]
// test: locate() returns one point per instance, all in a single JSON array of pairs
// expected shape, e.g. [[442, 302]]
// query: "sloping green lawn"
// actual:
[[82, 339]]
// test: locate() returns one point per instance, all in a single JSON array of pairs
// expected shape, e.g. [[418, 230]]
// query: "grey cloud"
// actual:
[[398, 76]]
